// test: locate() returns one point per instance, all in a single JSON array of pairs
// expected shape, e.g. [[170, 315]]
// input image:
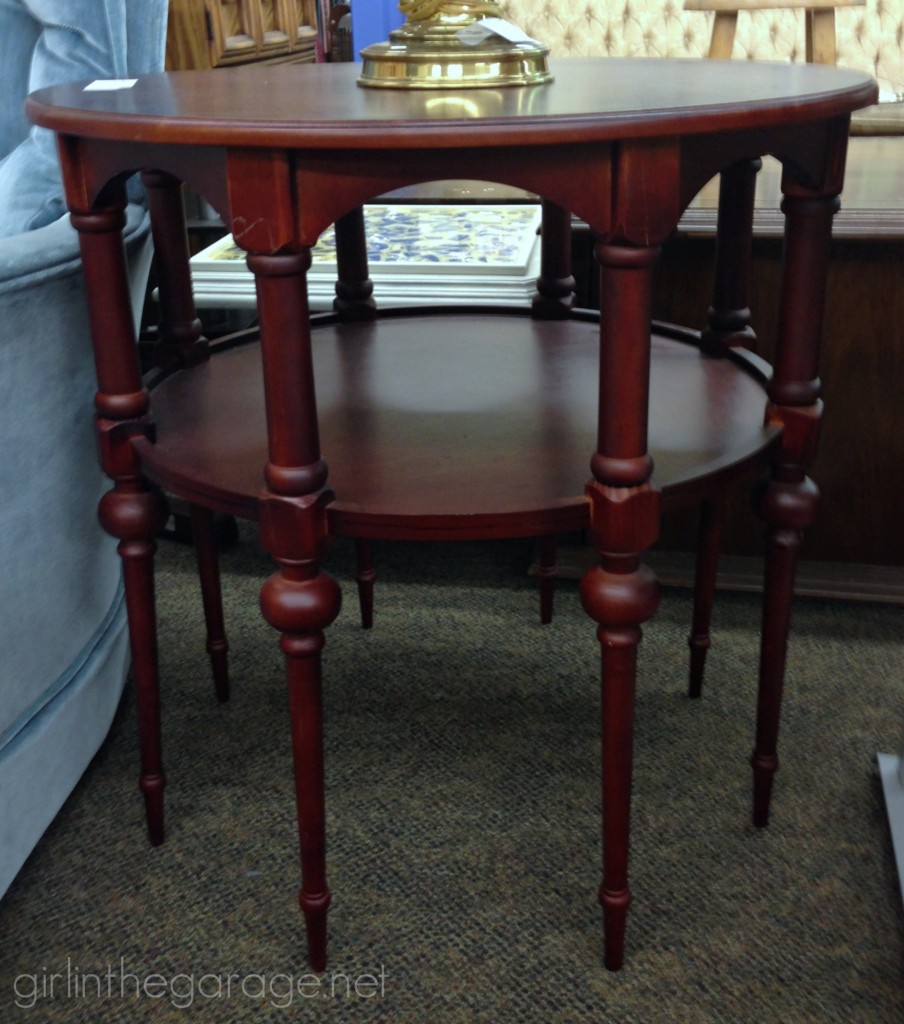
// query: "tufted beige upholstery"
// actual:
[[870, 38]]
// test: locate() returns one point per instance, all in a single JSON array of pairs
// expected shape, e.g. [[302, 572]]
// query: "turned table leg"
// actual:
[[354, 301], [300, 600], [181, 342], [555, 285], [728, 326], [354, 289], [728, 319], [553, 300], [619, 593], [709, 542], [208, 561], [181, 338], [788, 500], [132, 511]]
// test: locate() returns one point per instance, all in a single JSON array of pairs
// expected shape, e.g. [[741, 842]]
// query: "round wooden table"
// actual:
[[449, 423]]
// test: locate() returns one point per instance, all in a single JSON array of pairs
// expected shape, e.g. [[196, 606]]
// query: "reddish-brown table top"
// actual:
[[322, 106]]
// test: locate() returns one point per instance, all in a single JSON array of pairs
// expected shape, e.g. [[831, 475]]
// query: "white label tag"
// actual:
[[110, 84], [474, 34]]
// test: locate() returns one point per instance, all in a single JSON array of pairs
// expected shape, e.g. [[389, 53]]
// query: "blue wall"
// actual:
[[372, 21]]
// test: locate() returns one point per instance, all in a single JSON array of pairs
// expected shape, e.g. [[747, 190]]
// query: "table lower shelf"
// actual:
[[456, 424]]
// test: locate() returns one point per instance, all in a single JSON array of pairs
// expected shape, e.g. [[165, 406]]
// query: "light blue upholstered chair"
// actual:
[[63, 638]]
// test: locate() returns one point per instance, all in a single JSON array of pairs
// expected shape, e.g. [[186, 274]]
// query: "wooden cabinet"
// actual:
[[219, 33]]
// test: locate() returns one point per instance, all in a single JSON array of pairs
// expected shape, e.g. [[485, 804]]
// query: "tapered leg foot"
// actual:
[[709, 542], [152, 786], [617, 595], [301, 602], [314, 907], [547, 575], [699, 648], [142, 512], [764, 768], [365, 576], [788, 507], [615, 918], [204, 530], [138, 578], [219, 667]]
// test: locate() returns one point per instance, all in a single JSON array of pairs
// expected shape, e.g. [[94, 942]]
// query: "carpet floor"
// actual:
[[462, 786]]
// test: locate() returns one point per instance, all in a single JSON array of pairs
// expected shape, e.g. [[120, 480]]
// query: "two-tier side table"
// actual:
[[447, 423]]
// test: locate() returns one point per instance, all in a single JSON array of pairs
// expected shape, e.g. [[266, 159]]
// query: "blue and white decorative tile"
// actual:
[[417, 254]]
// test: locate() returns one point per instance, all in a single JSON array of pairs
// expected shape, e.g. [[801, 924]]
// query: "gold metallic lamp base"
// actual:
[[436, 59]]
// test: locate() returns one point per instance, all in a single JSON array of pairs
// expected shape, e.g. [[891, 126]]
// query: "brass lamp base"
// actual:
[[432, 57]]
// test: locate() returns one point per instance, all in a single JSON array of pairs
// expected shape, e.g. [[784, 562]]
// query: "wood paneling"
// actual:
[[860, 467]]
